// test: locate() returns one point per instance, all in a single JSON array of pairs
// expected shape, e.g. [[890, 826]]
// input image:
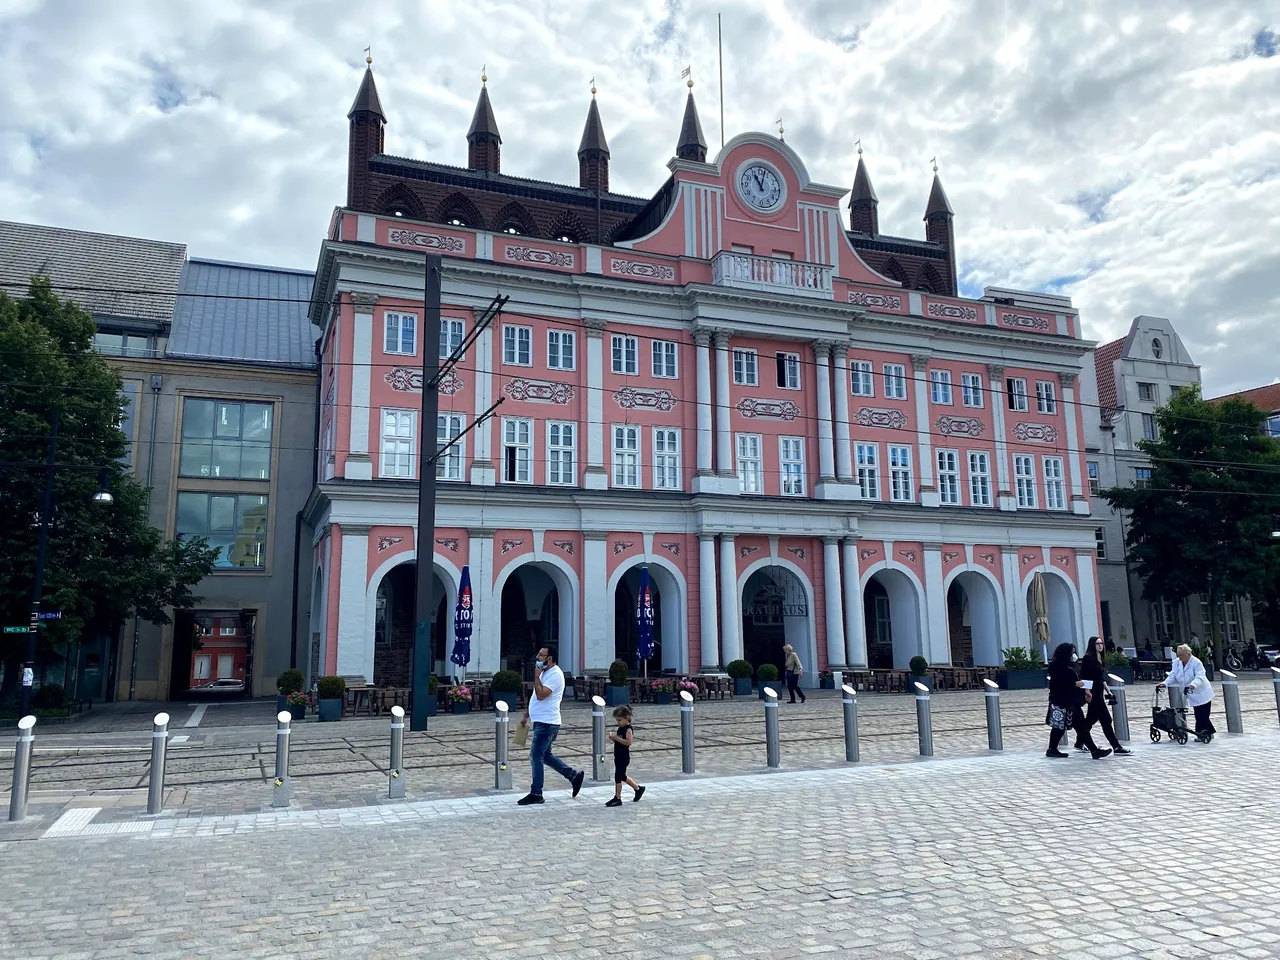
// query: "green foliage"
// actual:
[[919, 666], [767, 673], [433, 685], [507, 681], [331, 688], [618, 673], [48, 696], [738, 669], [1116, 659], [1018, 658], [289, 682]]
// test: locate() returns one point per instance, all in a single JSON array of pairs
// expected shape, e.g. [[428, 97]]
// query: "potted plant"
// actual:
[[460, 698], [1023, 670], [290, 681], [1116, 662], [618, 692], [331, 692], [687, 686], [433, 695], [826, 680], [920, 672], [741, 672], [1204, 654], [296, 704], [767, 674], [662, 689], [506, 686]]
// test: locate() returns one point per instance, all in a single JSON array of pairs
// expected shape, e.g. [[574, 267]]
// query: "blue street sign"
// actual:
[[50, 614]]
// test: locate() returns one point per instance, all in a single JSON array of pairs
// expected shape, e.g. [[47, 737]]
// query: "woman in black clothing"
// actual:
[[1091, 668], [1066, 696]]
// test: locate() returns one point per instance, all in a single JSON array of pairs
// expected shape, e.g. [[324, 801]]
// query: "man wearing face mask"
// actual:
[[544, 712]]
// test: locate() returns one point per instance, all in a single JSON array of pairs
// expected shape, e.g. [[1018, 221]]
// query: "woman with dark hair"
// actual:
[[1066, 696], [1091, 669]]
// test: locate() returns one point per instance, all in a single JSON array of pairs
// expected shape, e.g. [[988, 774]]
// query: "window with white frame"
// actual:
[[900, 480], [1017, 389], [750, 466], [895, 381], [666, 458], [1147, 391], [626, 455], [1100, 542], [517, 345], [949, 477], [451, 333], [561, 350], [940, 386], [1024, 475], [399, 334], [789, 371], [517, 450], [562, 453], [868, 463], [1095, 484], [791, 456], [1142, 477], [626, 355], [1055, 490], [861, 378], [664, 358], [971, 389], [979, 479], [1149, 431], [449, 462], [744, 368], [397, 443], [1046, 397]]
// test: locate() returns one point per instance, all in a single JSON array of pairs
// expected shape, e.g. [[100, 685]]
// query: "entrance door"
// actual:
[[226, 664], [202, 668]]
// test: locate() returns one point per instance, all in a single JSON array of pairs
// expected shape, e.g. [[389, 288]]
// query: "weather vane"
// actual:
[[934, 161], [484, 73], [780, 130], [858, 144], [368, 55], [687, 74], [593, 86]]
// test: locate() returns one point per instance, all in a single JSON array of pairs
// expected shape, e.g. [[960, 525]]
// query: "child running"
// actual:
[[622, 741]]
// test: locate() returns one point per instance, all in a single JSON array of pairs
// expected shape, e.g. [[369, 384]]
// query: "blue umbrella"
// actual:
[[462, 617], [644, 620]]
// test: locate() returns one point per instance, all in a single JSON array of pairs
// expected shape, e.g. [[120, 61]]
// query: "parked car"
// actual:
[[226, 687]]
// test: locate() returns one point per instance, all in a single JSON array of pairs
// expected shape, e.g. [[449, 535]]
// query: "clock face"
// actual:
[[760, 187]]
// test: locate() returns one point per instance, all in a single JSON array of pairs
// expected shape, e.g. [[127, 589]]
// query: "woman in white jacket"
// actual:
[[1188, 673]]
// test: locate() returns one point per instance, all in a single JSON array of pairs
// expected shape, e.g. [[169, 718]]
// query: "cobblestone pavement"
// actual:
[[1007, 857]]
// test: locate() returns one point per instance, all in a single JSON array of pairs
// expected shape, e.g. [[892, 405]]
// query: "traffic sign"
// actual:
[[16, 629], [50, 614]]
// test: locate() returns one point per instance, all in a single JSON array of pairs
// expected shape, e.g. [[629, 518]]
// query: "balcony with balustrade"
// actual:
[[746, 271]]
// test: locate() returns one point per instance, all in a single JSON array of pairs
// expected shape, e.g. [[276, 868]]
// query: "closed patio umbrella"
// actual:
[[644, 621], [462, 617], [1040, 614]]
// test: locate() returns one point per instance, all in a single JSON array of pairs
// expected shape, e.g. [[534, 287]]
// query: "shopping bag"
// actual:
[[520, 737]]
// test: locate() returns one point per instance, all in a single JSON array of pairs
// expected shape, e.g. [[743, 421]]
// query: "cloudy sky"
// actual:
[[1126, 154]]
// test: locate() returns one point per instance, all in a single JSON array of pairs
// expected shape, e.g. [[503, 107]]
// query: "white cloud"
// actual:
[[1130, 161]]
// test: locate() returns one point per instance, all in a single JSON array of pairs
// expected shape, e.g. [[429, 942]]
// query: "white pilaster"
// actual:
[[730, 626], [724, 435], [355, 637], [842, 386], [1005, 499], [1017, 621], [483, 470], [702, 349], [935, 602], [924, 441], [826, 447], [359, 465], [486, 623], [708, 613], [596, 477], [1079, 503], [1089, 613], [855, 630], [596, 602], [834, 606]]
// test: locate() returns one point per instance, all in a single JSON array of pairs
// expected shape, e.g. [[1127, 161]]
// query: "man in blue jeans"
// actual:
[[544, 711]]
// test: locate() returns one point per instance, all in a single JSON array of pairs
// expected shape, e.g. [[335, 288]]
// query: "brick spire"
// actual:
[[364, 138], [483, 140], [593, 151], [863, 203], [692, 144]]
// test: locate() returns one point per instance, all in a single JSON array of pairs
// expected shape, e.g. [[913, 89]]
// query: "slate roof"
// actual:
[[1104, 358], [1265, 398], [93, 269], [483, 121], [244, 313], [366, 100]]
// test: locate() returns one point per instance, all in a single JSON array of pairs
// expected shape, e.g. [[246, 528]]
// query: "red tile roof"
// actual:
[[1104, 364], [1265, 398]]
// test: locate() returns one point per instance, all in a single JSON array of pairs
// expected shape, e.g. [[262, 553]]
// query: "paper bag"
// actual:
[[520, 737]]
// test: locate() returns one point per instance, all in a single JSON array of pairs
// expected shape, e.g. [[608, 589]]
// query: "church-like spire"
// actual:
[[938, 205], [367, 96], [364, 137], [863, 204], [483, 140], [939, 226], [692, 145], [593, 151]]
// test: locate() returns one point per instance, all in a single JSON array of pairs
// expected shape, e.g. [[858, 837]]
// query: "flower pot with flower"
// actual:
[[689, 687], [290, 681], [460, 698], [662, 689], [296, 704], [826, 680]]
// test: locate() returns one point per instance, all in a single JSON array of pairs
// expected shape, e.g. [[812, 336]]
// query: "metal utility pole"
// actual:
[[37, 590]]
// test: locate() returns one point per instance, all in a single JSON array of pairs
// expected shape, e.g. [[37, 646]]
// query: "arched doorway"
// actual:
[[1061, 603], [530, 618], [891, 607], [394, 619], [775, 611], [973, 621]]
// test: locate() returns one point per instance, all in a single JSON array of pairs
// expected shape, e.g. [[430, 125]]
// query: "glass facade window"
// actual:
[[122, 345], [235, 523], [226, 439]]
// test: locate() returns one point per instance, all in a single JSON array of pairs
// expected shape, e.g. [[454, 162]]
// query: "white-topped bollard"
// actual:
[[22, 768], [773, 753], [686, 732], [395, 769], [924, 719], [599, 759], [1231, 701], [1120, 714], [995, 730], [159, 746], [282, 788], [501, 726], [850, 704]]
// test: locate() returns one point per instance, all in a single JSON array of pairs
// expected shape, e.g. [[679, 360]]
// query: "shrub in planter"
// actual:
[[919, 673], [1117, 663], [1023, 670], [330, 692], [289, 682], [618, 692], [766, 675], [50, 696], [827, 680], [741, 671], [506, 686]]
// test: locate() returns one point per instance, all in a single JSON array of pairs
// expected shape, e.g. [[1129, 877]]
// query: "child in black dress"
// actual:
[[622, 741]]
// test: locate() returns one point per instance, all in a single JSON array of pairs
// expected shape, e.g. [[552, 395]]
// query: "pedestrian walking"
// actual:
[[792, 669], [622, 741], [1188, 672], [544, 711], [1092, 669], [1066, 696]]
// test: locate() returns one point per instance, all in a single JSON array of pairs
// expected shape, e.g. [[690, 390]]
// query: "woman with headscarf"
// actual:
[[1188, 673], [1091, 669], [1066, 696]]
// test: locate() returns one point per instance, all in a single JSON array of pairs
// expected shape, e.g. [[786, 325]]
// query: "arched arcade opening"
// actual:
[[775, 612], [394, 622], [891, 608], [973, 621]]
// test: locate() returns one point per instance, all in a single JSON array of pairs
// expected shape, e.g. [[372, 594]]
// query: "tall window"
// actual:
[[979, 479], [1149, 431], [1017, 388], [940, 386], [1095, 484], [449, 462], [1142, 477], [1055, 490], [949, 477], [1024, 474], [517, 450], [1147, 391], [561, 350], [895, 381], [791, 456], [789, 371], [900, 484], [517, 345], [1273, 425], [225, 439], [750, 468], [234, 523], [399, 333], [744, 368], [1100, 542], [1046, 397], [664, 358], [626, 355], [626, 456], [868, 462], [397, 443], [451, 332], [860, 373], [561, 453], [971, 389], [666, 458]]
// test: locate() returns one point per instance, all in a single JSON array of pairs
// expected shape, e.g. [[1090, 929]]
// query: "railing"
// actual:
[[748, 271]]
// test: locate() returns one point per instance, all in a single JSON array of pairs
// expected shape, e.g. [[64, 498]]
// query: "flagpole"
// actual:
[[720, 54]]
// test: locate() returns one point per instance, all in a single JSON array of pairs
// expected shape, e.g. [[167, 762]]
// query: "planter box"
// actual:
[[662, 699], [461, 706], [433, 704], [742, 686], [1125, 673], [826, 683], [327, 710], [617, 696], [1022, 679], [298, 713], [510, 696]]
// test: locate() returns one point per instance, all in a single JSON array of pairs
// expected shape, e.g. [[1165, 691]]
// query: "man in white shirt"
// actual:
[[544, 711]]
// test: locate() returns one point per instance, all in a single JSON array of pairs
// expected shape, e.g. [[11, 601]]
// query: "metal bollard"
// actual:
[[395, 770], [282, 786], [924, 719], [599, 759], [159, 745], [22, 768], [1120, 714], [850, 701], [501, 727], [1231, 702], [1275, 681], [995, 730], [686, 731], [773, 754]]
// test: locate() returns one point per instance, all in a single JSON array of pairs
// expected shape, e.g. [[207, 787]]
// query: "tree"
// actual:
[[1203, 523], [103, 563]]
